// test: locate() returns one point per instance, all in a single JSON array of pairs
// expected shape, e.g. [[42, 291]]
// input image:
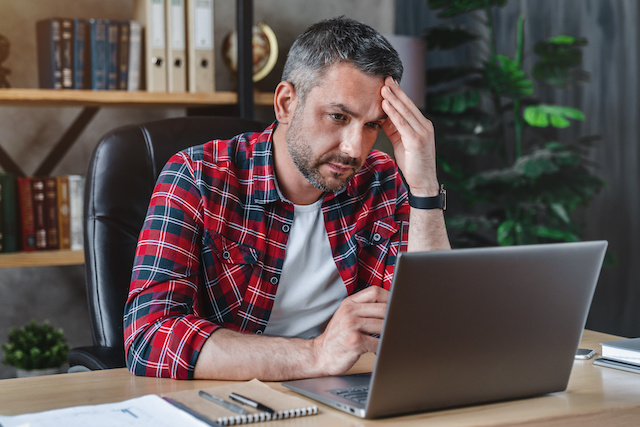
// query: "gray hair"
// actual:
[[338, 40]]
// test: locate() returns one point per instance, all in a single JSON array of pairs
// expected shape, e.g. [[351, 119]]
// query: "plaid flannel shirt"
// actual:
[[212, 246]]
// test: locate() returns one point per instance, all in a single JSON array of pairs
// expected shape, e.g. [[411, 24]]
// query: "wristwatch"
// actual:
[[434, 202]]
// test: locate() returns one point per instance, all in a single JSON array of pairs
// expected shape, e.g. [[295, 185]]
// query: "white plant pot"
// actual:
[[26, 373]]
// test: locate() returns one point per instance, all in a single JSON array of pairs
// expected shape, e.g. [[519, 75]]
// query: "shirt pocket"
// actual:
[[378, 233], [229, 269]]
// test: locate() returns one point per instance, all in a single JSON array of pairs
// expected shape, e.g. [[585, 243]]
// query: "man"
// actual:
[[270, 255]]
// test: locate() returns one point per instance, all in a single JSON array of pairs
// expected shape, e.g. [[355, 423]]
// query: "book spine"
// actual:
[[112, 54], [27, 225], [135, 56], [51, 212], [123, 56], [66, 50], [64, 231], [40, 229], [80, 69], [49, 53], [10, 213], [76, 211], [98, 54]]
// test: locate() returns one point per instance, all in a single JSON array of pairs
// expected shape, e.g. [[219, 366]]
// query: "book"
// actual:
[[176, 46], [51, 212], [48, 40], [113, 38], [80, 48], [97, 54], [151, 14], [284, 405], [123, 55], [66, 50], [625, 350], [616, 364], [40, 229], [9, 213], [76, 211], [200, 47], [135, 56], [64, 225], [27, 225]]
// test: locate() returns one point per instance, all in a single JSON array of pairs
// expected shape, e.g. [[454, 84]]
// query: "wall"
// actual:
[[27, 134]]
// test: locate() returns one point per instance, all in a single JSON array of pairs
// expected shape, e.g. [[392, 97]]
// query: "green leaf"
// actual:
[[554, 115], [558, 56], [561, 212], [506, 78], [506, 233], [555, 234], [453, 102], [448, 37], [456, 7]]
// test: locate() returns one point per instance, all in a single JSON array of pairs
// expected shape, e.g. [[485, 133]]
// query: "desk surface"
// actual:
[[595, 396]]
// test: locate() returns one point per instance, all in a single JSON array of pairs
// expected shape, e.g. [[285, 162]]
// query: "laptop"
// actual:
[[472, 326]]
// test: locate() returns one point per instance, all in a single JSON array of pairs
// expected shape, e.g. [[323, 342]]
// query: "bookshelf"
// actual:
[[41, 259], [117, 98]]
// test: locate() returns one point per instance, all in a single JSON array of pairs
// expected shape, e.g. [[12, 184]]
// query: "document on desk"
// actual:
[[146, 411]]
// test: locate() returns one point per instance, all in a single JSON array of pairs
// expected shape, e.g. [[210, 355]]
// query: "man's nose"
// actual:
[[353, 143]]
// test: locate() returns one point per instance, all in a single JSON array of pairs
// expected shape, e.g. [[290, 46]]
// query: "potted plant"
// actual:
[[499, 145], [36, 349]]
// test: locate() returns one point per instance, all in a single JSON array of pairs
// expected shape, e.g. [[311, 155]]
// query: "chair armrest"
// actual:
[[96, 358]]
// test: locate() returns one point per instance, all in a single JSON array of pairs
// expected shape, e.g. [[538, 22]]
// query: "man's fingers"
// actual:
[[370, 294]]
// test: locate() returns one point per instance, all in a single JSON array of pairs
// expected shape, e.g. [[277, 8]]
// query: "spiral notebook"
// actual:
[[284, 405]]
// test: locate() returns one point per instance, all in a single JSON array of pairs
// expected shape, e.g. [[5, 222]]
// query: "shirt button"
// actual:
[[376, 237], [286, 228], [226, 255], [274, 280]]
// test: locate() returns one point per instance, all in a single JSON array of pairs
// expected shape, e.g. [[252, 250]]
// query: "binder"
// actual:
[[151, 14], [176, 46], [200, 48]]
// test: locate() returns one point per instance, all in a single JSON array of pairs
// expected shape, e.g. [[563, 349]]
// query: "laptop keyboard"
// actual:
[[356, 394]]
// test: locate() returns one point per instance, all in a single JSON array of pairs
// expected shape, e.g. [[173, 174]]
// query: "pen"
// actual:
[[215, 399], [252, 403]]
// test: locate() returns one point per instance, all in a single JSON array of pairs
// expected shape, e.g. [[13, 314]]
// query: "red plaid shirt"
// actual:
[[211, 249]]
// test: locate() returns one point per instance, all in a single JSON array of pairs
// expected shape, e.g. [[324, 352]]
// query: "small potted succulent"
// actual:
[[36, 349]]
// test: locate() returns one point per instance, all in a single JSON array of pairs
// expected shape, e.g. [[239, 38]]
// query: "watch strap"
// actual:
[[433, 202]]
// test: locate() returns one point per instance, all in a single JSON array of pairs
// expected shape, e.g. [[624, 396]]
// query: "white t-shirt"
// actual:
[[310, 288]]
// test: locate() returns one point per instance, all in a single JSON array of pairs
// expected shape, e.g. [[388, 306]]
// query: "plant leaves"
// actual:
[[558, 55], [453, 102], [456, 7], [555, 115], [506, 78]]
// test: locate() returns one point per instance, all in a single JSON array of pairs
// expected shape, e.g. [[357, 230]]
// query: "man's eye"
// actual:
[[338, 116], [374, 125]]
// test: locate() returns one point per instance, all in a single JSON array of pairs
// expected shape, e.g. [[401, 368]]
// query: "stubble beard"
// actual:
[[303, 158]]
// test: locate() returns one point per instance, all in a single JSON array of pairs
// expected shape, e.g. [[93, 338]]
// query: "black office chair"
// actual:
[[121, 175]]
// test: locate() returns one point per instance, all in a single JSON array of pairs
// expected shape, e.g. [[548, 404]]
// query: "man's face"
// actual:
[[332, 133]]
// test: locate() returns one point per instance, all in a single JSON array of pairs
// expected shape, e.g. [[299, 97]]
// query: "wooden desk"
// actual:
[[595, 396]]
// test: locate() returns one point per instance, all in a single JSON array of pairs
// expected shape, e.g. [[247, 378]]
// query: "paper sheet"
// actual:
[[146, 411]]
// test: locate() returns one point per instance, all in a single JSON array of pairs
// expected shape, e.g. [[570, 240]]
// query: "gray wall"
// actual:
[[27, 134]]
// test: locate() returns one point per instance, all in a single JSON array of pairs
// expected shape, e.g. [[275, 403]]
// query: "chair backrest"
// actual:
[[121, 175]]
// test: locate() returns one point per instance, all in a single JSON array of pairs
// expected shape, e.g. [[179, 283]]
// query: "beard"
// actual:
[[303, 157]]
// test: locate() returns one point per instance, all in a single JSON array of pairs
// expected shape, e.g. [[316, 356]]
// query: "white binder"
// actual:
[[151, 14], [176, 46], [200, 46]]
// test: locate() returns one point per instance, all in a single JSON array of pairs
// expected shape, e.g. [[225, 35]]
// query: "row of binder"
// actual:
[[178, 44]]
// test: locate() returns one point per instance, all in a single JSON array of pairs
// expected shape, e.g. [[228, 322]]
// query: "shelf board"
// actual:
[[41, 258], [120, 98]]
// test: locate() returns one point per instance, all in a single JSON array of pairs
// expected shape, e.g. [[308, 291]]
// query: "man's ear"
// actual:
[[285, 101]]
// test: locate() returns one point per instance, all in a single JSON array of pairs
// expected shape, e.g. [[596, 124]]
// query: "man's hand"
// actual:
[[348, 334], [413, 139]]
